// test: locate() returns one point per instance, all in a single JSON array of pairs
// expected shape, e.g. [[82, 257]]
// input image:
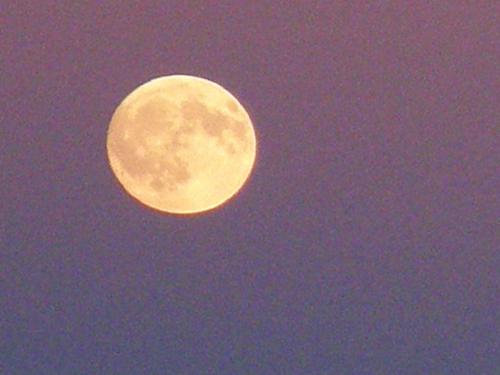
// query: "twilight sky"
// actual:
[[365, 241]]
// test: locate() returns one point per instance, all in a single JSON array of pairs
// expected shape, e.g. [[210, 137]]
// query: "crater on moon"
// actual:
[[181, 144]]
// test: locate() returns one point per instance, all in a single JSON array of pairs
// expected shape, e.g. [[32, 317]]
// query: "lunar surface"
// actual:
[[181, 144]]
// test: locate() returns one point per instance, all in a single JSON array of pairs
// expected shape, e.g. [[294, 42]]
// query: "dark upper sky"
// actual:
[[363, 243]]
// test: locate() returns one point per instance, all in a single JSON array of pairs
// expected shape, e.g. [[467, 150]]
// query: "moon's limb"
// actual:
[[181, 144]]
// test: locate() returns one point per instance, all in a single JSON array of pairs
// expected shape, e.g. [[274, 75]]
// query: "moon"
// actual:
[[181, 144]]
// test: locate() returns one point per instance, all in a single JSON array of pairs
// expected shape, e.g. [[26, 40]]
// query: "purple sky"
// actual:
[[365, 242]]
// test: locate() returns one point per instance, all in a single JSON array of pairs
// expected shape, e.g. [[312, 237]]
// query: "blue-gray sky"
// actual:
[[363, 242]]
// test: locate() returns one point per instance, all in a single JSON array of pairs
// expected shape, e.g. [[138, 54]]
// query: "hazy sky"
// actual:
[[365, 241]]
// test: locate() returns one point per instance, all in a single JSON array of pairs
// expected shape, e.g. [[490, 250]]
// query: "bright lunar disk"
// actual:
[[181, 144]]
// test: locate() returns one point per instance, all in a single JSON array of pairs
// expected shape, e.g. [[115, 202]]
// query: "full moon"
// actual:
[[181, 144]]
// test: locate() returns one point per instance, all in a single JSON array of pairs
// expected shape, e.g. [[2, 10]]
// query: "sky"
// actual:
[[364, 242]]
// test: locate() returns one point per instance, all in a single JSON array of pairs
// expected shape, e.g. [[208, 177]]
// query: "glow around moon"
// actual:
[[181, 144]]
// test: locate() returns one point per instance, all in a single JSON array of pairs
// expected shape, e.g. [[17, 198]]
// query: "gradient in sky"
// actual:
[[365, 242]]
